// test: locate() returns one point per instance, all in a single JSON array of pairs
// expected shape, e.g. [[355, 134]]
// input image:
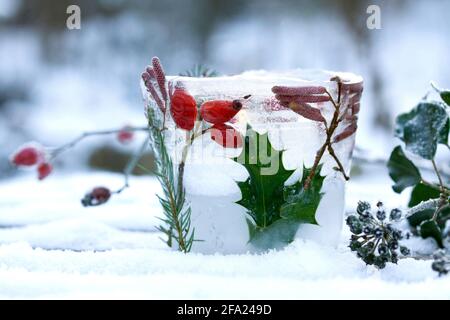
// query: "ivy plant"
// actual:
[[422, 130]]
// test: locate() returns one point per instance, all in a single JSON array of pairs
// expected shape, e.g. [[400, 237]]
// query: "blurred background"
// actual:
[[56, 83]]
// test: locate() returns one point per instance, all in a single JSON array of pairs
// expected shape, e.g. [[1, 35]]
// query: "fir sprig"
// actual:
[[200, 71], [177, 214]]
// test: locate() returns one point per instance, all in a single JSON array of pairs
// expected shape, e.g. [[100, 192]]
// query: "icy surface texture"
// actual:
[[210, 175]]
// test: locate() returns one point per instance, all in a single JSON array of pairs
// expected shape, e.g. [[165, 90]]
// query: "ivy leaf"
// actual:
[[262, 192], [402, 171], [430, 228], [422, 193], [419, 217], [301, 205], [443, 133], [421, 129], [445, 96]]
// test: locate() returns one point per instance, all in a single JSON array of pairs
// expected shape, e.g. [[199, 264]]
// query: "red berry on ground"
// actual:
[[226, 136], [125, 135], [220, 111], [27, 156], [183, 109], [96, 197], [44, 170]]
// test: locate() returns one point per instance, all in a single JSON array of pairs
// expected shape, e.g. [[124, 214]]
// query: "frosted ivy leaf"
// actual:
[[422, 128]]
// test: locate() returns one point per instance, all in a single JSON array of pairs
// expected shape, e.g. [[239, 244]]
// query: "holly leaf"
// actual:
[[430, 229], [301, 205], [276, 236], [421, 128], [275, 210], [262, 192], [402, 171], [422, 193]]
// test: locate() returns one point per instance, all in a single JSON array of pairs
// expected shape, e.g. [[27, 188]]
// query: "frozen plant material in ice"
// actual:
[[267, 157]]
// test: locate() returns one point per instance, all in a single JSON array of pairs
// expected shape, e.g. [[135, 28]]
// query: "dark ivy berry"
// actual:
[[379, 204], [381, 215], [404, 251], [365, 215], [397, 235], [389, 228], [394, 258], [396, 214], [362, 207], [378, 233], [393, 244], [383, 249], [367, 230]]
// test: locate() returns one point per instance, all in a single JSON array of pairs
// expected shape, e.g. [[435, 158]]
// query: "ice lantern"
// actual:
[[309, 117]]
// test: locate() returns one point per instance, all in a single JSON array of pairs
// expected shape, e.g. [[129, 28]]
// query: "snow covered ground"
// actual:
[[51, 247]]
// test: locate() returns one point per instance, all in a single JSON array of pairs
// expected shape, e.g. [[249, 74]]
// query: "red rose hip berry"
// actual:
[[125, 135], [183, 109], [44, 170], [226, 136], [27, 156], [220, 111], [96, 197]]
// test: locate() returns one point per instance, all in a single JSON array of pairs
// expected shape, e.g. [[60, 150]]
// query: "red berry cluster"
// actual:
[[33, 155], [185, 111]]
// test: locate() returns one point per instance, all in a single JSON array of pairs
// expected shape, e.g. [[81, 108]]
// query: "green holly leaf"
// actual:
[[402, 171], [422, 128], [275, 210], [262, 192], [422, 193], [276, 236], [445, 96], [301, 205], [430, 229]]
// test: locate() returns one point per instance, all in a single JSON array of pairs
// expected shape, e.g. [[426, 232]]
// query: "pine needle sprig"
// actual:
[[177, 214], [200, 71]]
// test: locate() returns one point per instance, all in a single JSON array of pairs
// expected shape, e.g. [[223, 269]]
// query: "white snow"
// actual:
[[58, 249]]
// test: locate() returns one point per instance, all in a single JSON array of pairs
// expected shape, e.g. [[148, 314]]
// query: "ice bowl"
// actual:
[[309, 119]]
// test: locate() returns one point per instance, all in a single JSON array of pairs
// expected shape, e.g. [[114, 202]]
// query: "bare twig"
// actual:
[[441, 182], [57, 151], [328, 144], [131, 165]]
